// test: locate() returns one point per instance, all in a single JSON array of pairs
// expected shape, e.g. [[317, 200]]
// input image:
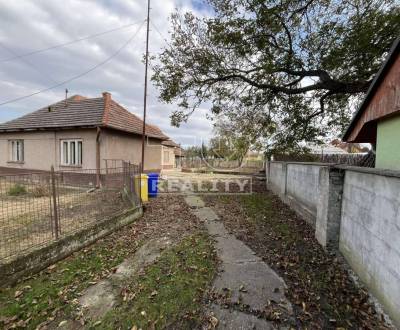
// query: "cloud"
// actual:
[[30, 25]]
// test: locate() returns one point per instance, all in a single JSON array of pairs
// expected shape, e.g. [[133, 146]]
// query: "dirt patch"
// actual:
[[323, 294]]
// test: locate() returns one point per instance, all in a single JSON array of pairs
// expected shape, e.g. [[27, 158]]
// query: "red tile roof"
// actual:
[[78, 111], [170, 143]]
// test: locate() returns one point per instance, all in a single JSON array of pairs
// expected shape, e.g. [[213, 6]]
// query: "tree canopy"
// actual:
[[296, 67]]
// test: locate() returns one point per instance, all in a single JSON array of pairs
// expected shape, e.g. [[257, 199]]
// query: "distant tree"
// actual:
[[231, 140], [297, 65], [193, 152]]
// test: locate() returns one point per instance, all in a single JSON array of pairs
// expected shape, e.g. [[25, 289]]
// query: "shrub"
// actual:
[[16, 190]]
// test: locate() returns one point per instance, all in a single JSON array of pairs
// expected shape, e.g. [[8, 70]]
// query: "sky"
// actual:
[[28, 25]]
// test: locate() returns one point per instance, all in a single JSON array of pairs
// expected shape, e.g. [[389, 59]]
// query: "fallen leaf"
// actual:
[[62, 323], [18, 293]]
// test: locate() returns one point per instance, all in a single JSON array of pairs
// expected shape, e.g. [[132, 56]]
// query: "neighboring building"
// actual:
[[324, 149], [79, 133], [352, 148], [377, 121], [172, 154]]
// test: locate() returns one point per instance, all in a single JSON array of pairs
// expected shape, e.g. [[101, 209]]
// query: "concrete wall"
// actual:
[[370, 234], [302, 186], [387, 152], [298, 185], [276, 176], [357, 212]]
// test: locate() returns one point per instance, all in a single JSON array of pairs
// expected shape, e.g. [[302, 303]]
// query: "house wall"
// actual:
[[357, 213], [387, 152], [168, 162], [42, 149], [117, 145]]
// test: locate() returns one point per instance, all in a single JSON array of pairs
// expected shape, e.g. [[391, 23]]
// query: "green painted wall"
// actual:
[[388, 144]]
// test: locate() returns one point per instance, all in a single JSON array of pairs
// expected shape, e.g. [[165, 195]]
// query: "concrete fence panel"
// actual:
[[277, 178], [370, 234], [354, 210], [302, 189]]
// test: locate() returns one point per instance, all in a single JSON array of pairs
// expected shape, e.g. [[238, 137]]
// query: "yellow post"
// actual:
[[143, 188]]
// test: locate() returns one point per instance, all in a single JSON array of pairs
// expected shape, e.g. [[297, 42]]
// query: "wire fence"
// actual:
[[40, 208], [222, 164], [361, 159]]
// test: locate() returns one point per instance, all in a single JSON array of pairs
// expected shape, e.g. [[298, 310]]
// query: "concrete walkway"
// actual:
[[100, 298], [245, 286]]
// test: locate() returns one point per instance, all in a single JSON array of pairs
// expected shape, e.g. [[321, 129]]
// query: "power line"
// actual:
[[79, 75], [27, 62], [67, 43], [160, 33]]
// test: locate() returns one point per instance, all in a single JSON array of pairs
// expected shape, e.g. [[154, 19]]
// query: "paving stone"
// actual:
[[205, 214], [252, 283], [242, 274], [232, 319], [194, 201], [231, 250]]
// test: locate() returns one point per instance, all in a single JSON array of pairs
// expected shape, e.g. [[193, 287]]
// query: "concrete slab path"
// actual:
[[98, 299], [243, 279]]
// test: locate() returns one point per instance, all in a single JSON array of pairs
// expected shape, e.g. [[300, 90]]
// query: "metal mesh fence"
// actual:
[[39, 208], [221, 163], [362, 160]]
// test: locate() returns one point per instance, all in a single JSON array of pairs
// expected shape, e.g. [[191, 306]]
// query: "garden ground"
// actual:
[[176, 290]]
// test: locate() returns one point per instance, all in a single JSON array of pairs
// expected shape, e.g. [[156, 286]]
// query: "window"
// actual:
[[16, 148], [71, 152]]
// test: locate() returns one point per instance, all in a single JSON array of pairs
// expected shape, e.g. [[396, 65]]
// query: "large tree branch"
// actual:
[[329, 85]]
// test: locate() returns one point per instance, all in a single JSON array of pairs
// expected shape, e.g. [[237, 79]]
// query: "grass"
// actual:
[[170, 291], [51, 293], [17, 190]]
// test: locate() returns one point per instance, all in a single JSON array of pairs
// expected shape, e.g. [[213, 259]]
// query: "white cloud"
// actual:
[[27, 25]]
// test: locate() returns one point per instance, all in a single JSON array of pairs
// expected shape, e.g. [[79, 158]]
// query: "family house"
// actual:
[[377, 121], [79, 133]]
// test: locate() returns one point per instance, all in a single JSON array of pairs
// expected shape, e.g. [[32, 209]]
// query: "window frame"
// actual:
[[72, 151], [17, 154]]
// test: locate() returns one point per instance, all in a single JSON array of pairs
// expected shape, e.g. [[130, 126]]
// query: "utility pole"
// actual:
[[145, 82]]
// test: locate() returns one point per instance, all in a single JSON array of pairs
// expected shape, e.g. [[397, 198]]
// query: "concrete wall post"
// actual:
[[329, 208]]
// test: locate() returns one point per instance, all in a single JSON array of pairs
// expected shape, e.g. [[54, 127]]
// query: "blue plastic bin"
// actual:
[[153, 184]]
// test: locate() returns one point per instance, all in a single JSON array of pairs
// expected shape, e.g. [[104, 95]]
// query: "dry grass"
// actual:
[[27, 222]]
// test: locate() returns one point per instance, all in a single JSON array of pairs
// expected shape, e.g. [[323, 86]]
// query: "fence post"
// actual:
[[54, 194], [329, 209]]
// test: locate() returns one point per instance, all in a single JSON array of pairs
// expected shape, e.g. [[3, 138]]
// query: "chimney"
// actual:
[[107, 96], [107, 102]]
